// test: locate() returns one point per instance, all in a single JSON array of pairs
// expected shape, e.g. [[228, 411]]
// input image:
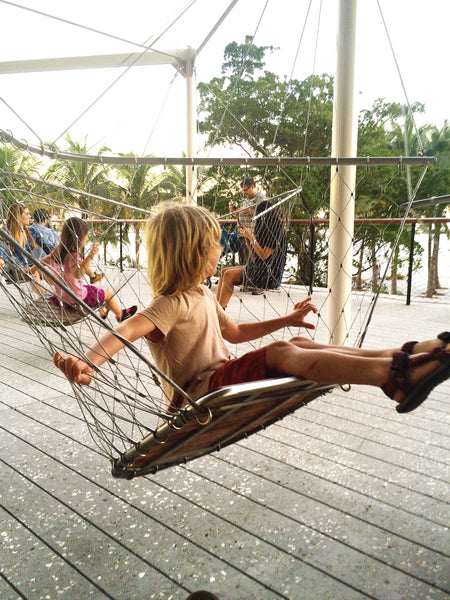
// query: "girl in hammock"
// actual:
[[70, 267], [185, 329]]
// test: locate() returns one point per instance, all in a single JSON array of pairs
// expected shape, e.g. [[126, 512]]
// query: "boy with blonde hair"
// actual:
[[186, 329]]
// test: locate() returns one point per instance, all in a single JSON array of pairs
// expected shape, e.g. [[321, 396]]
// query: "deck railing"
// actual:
[[421, 260]]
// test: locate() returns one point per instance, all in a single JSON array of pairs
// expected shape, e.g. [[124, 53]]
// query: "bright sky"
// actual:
[[145, 111]]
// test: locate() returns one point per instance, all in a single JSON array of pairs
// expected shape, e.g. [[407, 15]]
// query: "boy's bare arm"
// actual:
[[80, 369], [244, 332]]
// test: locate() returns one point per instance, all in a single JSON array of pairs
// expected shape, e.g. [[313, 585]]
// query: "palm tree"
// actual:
[[139, 188], [439, 145], [92, 178], [437, 182], [173, 183], [89, 177], [15, 162], [430, 141]]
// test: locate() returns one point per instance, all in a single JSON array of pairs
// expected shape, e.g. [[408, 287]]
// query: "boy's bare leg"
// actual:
[[419, 348], [329, 367]]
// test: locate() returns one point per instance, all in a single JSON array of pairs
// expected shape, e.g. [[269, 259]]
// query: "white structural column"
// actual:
[[191, 118], [342, 192]]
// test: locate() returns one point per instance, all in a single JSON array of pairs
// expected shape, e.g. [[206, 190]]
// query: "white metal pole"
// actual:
[[342, 191], [191, 170]]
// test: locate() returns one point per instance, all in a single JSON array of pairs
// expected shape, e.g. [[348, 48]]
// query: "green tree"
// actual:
[[439, 145], [384, 131], [15, 168], [173, 183], [253, 109], [431, 141], [89, 177], [138, 185], [92, 178]]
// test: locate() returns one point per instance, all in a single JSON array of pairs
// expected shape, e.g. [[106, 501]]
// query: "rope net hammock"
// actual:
[[127, 408]]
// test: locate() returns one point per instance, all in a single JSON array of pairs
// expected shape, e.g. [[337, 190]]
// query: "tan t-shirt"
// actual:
[[188, 346]]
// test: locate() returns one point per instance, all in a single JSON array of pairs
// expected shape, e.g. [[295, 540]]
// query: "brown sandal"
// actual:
[[416, 394]]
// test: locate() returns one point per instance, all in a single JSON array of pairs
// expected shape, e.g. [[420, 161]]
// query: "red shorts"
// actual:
[[250, 367]]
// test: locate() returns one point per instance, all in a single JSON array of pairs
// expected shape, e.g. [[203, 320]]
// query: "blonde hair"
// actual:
[[178, 238]]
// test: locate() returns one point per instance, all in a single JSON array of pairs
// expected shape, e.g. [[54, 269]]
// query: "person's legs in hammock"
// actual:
[[328, 366], [417, 348]]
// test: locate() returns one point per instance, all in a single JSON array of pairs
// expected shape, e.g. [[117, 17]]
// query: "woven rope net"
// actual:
[[126, 408]]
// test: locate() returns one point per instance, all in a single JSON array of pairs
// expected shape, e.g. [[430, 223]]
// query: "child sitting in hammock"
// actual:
[[65, 260], [185, 329]]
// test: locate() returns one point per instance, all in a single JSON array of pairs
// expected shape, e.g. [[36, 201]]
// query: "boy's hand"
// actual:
[[74, 368], [301, 310]]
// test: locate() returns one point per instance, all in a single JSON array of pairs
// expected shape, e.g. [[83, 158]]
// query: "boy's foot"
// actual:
[[103, 312], [96, 277], [427, 346], [412, 378], [127, 313]]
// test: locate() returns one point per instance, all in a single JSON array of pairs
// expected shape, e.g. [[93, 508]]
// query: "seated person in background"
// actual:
[[41, 231], [17, 225], [3, 255], [268, 246]]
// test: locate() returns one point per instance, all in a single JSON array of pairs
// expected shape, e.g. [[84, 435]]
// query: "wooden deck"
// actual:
[[346, 499]]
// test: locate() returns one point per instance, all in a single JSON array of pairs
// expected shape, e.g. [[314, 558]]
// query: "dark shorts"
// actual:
[[250, 367], [258, 276], [95, 296]]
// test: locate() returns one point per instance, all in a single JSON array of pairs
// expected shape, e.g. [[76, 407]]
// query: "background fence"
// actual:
[[419, 267]]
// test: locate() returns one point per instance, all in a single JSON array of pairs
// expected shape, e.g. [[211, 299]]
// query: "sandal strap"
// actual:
[[445, 337], [398, 380], [439, 354], [400, 361], [408, 347]]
